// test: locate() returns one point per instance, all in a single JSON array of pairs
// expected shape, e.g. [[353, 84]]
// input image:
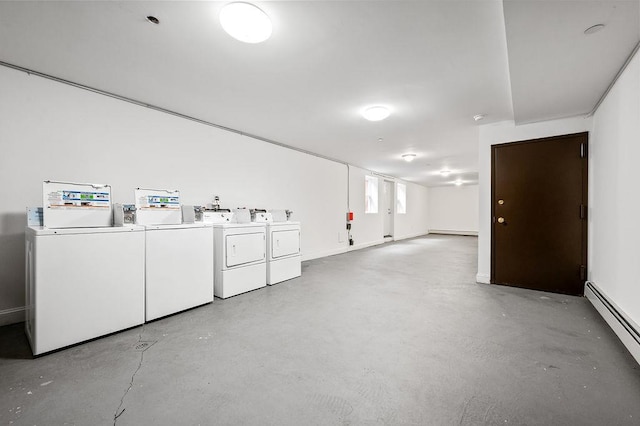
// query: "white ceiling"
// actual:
[[557, 70], [434, 63]]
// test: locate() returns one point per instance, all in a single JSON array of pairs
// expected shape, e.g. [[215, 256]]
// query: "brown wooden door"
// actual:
[[539, 207]]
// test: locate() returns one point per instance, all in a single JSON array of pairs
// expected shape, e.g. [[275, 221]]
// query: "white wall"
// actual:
[[368, 228], [54, 131], [415, 221], [614, 216], [453, 209], [496, 133]]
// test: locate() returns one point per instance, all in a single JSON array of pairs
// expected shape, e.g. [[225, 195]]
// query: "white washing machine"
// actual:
[[82, 283], [179, 268], [284, 260], [179, 256], [239, 258]]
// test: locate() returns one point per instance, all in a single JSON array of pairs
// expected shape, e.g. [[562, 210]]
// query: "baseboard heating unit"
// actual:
[[626, 330]]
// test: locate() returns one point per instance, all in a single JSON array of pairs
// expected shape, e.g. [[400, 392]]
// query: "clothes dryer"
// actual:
[[239, 258], [283, 251]]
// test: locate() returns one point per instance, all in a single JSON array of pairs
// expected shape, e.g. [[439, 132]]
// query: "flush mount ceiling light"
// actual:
[[245, 22], [376, 113], [445, 173], [408, 157], [458, 182], [594, 29], [478, 117]]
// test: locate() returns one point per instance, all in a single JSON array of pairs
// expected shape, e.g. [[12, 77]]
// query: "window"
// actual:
[[401, 199], [371, 194]]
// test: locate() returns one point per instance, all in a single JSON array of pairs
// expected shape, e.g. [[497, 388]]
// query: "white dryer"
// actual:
[[239, 258], [179, 268], [82, 283], [283, 251]]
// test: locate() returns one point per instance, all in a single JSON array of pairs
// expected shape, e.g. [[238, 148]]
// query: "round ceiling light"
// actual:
[[458, 182], [478, 117], [445, 173], [245, 22], [376, 113], [408, 157]]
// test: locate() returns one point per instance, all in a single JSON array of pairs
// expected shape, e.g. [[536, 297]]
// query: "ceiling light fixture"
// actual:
[[376, 113], [478, 117], [445, 173], [594, 29], [458, 182], [152, 19], [245, 22], [408, 157]]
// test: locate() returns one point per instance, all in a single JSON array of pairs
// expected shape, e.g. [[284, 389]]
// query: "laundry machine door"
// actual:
[[244, 248], [285, 243]]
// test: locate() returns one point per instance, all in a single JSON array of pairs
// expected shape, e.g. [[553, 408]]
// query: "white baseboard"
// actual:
[[483, 278], [11, 316], [453, 232], [365, 245], [625, 328], [325, 253], [406, 237], [333, 252]]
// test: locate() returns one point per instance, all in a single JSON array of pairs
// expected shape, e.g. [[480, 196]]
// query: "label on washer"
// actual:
[[157, 199], [63, 199]]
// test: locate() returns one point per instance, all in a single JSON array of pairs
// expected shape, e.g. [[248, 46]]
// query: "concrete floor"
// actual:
[[395, 334]]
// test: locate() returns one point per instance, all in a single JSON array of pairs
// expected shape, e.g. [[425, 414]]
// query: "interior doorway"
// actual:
[[387, 209], [539, 212]]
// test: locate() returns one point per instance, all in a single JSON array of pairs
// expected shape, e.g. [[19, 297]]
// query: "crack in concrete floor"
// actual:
[[119, 412]]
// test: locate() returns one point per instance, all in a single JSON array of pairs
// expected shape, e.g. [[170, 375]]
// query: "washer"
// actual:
[[239, 258], [179, 268], [179, 256], [82, 283], [284, 261]]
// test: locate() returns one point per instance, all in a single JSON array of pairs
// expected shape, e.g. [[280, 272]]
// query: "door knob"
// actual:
[[501, 220]]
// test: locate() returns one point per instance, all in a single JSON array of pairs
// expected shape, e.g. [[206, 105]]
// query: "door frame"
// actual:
[[392, 207], [585, 197]]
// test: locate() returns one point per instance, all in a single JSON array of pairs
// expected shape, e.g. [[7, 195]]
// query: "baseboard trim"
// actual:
[[12, 315], [406, 237], [365, 245], [325, 253], [483, 278], [333, 252], [453, 232], [626, 329]]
